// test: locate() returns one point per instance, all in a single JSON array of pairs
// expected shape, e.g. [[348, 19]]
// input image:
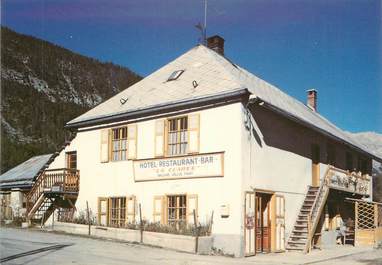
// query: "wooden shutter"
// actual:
[[105, 145], [130, 209], [132, 141], [280, 223], [103, 211], [192, 204], [160, 137], [158, 209], [193, 133]]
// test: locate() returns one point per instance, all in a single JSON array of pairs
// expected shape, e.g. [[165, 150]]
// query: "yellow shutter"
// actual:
[[132, 141], [158, 210], [130, 209], [103, 211], [160, 138], [105, 145], [193, 133], [280, 223], [192, 204]]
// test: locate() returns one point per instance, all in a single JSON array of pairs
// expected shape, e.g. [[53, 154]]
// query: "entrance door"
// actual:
[[263, 222], [315, 165], [249, 224]]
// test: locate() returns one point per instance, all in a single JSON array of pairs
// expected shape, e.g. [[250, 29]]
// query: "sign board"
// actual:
[[190, 166]]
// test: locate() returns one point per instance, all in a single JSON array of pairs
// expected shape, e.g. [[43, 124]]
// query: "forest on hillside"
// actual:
[[43, 86]]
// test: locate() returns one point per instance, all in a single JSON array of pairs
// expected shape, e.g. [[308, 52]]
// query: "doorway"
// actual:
[[315, 149], [263, 222]]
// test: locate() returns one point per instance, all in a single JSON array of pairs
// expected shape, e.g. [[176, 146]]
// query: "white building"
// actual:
[[202, 133]]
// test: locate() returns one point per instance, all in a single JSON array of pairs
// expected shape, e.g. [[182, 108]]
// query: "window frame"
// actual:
[[69, 160], [120, 150], [175, 75], [117, 215], [180, 211], [179, 132]]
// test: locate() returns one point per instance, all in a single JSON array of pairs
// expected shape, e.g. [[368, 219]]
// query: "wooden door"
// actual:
[[249, 224], [263, 223], [315, 165]]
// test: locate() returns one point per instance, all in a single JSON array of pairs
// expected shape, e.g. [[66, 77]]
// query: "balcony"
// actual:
[[53, 185], [348, 181]]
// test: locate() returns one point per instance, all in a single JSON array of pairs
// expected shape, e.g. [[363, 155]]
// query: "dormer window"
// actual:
[[175, 75]]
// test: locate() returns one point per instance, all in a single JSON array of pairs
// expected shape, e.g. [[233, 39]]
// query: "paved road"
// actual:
[[35, 247]]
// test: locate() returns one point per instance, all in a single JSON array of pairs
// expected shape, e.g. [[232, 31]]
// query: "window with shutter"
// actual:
[[193, 133], [177, 138], [103, 210], [119, 144], [158, 212], [159, 138], [130, 209], [132, 141], [104, 145], [192, 204]]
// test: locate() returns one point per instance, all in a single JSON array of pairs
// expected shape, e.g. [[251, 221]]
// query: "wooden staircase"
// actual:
[[56, 188], [308, 218]]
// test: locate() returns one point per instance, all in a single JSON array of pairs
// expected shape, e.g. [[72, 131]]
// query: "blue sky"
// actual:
[[331, 45]]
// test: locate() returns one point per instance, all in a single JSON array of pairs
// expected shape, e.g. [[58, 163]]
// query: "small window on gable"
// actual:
[[175, 75]]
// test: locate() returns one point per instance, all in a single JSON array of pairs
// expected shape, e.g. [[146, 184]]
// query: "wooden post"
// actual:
[[376, 216], [140, 222], [211, 222], [196, 232], [53, 219], [88, 216]]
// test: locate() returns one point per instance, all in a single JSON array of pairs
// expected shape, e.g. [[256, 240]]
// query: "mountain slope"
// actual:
[[43, 86]]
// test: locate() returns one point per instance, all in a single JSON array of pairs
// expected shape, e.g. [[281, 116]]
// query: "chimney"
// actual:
[[216, 43], [312, 99]]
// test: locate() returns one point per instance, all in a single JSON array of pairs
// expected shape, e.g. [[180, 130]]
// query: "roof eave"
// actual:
[[304, 123], [231, 96]]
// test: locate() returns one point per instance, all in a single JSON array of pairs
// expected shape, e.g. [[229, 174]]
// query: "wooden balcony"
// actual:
[[348, 181], [54, 183]]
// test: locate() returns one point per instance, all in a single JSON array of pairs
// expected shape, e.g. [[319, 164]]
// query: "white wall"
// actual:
[[220, 130], [273, 169]]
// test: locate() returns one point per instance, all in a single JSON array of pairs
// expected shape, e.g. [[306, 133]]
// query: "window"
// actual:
[[175, 75], [117, 211], [119, 144], [177, 136], [349, 161], [176, 210], [331, 154], [362, 165], [71, 160]]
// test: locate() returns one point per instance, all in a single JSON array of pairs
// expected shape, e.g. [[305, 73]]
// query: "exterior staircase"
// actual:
[[308, 218], [57, 188]]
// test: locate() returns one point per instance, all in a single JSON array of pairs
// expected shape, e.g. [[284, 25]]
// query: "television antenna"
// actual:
[[203, 28]]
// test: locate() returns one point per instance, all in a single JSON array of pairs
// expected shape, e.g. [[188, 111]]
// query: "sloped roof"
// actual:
[[214, 75], [24, 173]]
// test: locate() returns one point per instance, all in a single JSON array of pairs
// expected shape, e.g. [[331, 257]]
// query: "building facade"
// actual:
[[202, 136]]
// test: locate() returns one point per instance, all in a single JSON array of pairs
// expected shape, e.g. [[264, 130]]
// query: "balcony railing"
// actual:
[[54, 181], [348, 181]]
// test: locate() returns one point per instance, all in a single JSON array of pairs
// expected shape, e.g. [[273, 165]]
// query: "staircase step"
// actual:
[[302, 231], [296, 243], [295, 248], [299, 236], [304, 226]]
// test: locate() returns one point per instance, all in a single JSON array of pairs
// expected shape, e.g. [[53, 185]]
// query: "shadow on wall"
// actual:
[[282, 133]]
